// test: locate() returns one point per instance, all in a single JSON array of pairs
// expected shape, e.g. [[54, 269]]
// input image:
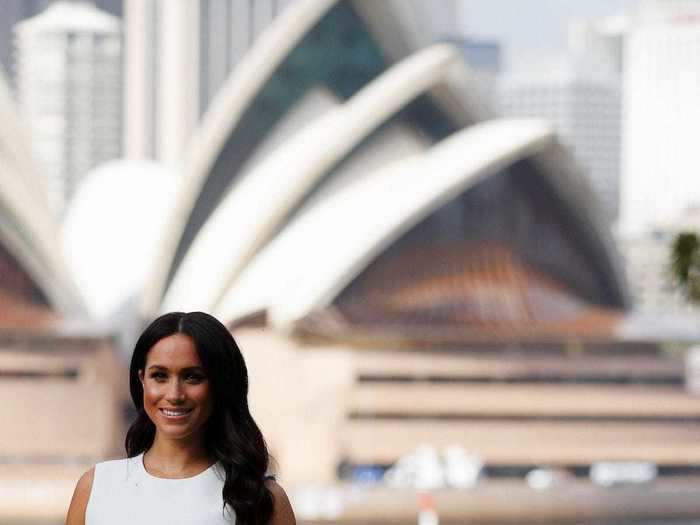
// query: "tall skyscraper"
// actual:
[[178, 54], [69, 84], [661, 158], [14, 11], [580, 93], [583, 104], [600, 41]]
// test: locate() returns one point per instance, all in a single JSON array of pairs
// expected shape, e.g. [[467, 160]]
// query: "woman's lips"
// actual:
[[175, 413]]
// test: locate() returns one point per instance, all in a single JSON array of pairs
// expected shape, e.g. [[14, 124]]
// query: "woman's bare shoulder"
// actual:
[[81, 495], [283, 513]]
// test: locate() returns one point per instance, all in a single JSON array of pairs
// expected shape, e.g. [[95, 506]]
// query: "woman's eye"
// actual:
[[158, 376], [194, 378]]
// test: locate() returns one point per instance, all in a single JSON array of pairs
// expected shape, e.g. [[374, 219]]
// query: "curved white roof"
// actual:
[[250, 76], [315, 102], [223, 114], [212, 248], [259, 201], [400, 28], [262, 198], [28, 230], [263, 278], [112, 227], [14, 143], [370, 215]]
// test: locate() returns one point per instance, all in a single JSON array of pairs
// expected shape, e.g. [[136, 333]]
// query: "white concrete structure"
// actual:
[[28, 231], [583, 103], [661, 159], [112, 229], [226, 250], [141, 67], [69, 90], [292, 290], [213, 142], [225, 112], [459, 162], [262, 280], [255, 177], [306, 283]]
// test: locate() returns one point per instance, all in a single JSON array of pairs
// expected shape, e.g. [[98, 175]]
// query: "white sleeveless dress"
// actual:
[[124, 492]]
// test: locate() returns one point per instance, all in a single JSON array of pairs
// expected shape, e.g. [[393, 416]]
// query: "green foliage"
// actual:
[[685, 263]]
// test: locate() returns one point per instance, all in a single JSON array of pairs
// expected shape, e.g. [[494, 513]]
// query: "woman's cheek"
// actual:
[[152, 392]]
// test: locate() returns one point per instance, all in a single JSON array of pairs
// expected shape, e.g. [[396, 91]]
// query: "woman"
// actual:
[[195, 454]]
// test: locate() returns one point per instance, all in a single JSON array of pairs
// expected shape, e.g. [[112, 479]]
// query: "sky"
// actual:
[[529, 27], [525, 27]]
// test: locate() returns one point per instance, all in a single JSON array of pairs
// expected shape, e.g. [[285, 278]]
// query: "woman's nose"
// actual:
[[176, 393]]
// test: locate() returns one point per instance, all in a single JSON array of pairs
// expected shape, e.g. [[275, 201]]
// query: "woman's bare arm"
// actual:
[[283, 513], [81, 494]]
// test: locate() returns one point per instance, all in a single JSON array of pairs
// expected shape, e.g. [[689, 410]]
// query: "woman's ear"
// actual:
[[141, 376]]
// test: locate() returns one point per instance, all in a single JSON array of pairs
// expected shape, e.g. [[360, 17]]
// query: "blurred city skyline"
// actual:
[[536, 27], [482, 19]]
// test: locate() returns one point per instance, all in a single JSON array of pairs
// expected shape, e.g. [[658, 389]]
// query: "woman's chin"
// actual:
[[175, 432]]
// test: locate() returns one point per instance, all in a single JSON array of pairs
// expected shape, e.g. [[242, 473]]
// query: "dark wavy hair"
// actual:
[[231, 435]]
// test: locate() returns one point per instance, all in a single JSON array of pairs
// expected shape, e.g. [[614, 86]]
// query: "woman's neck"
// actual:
[[176, 457]]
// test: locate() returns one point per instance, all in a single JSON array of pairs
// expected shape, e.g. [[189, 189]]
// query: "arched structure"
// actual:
[[336, 44], [270, 191], [319, 262], [111, 230], [337, 109], [32, 258]]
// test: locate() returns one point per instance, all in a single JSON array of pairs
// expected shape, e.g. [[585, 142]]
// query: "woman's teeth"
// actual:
[[175, 413]]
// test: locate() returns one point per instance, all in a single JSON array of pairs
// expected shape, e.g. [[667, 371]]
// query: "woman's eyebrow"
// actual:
[[196, 368], [193, 369]]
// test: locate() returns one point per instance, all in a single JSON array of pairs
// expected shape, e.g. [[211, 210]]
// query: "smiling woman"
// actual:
[[195, 454], [176, 394]]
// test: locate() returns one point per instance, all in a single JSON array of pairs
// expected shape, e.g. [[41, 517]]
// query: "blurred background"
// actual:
[[456, 240]]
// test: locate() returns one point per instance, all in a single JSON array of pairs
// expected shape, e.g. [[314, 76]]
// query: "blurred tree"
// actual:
[[685, 264]]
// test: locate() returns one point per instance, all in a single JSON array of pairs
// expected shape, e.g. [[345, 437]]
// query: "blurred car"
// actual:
[[609, 473], [543, 478], [428, 468]]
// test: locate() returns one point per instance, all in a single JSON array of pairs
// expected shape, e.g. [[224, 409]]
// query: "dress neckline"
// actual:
[[142, 467]]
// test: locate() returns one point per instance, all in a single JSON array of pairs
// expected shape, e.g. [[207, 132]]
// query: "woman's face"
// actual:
[[176, 391]]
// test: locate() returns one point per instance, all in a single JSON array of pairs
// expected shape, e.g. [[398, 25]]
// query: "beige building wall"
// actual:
[[297, 397], [63, 401]]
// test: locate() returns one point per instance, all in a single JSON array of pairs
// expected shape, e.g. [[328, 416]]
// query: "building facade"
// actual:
[[14, 11], [69, 85], [661, 114], [602, 39], [191, 45]]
